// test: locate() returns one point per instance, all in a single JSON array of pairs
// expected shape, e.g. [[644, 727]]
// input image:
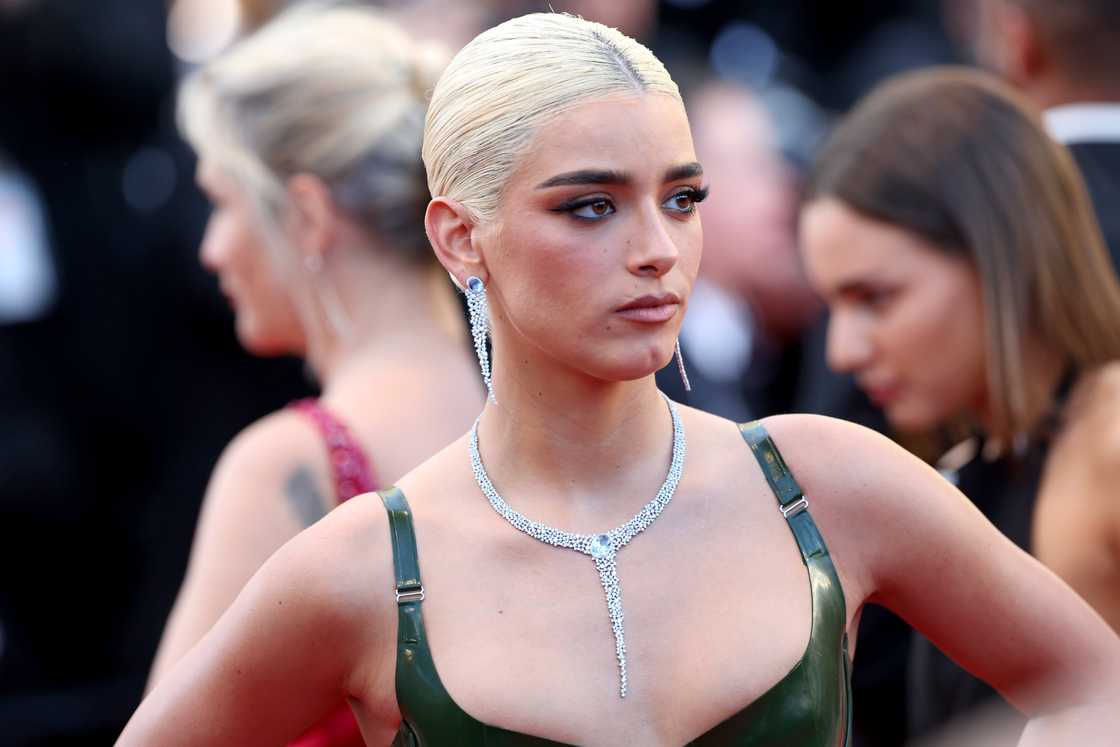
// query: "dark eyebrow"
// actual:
[[685, 171], [587, 176], [606, 176]]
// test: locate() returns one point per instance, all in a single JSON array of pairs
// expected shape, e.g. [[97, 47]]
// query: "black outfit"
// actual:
[[1005, 490], [1099, 163], [939, 691]]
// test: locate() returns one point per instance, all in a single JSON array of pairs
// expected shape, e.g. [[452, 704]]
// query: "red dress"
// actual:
[[352, 476]]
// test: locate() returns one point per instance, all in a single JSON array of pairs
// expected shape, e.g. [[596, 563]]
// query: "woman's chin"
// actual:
[[911, 419], [262, 345], [640, 367]]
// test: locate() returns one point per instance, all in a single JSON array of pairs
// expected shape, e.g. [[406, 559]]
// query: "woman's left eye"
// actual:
[[686, 200], [593, 209]]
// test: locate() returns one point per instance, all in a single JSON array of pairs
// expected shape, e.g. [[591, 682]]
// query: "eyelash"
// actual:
[[696, 196]]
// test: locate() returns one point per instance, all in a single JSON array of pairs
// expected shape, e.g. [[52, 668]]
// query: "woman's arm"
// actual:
[[306, 632], [905, 538], [268, 486]]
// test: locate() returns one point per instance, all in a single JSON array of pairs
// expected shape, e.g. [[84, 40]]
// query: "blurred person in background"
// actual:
[[565, 187], [308, 134], [967, 279], [1064, 55], [751, 302]]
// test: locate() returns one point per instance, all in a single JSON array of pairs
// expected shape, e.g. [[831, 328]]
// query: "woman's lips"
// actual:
[[650, 314], [881, 396], [651, 308]]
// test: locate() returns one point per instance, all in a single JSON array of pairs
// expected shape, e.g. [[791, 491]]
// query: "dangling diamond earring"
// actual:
[[480, 327], [680, 367]]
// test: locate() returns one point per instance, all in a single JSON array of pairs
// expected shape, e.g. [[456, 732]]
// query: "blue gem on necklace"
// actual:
[[601, 546]]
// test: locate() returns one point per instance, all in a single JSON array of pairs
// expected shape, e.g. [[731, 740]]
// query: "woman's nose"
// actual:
[[653, 250], [210, 251], [849, 341]]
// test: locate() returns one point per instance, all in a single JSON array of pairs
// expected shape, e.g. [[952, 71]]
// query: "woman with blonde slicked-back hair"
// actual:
[[592, 563], [471, 147], [308, 134]]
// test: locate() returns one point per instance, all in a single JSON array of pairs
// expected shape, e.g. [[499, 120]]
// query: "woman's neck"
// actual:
[[387, 311], [558, 436]]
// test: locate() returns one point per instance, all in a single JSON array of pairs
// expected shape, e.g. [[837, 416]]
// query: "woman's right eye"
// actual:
[[591, 209], [878, 299]]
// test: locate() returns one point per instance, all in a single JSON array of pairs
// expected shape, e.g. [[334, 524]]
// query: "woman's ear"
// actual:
[[312, 224], [450, 226], [1022, 55]]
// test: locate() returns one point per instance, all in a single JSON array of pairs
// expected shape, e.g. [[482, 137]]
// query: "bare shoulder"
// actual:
[[318, 612], [825, 451], [1093, 419], [276, 439], [349, 551], [1085, 458], [848, 469], [340, 573], [867, 494], [832, 459], [278, 457], [442, 477]]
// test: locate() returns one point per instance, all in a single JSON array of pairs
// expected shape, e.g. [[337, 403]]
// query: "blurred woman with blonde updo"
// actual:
[[308, 134]]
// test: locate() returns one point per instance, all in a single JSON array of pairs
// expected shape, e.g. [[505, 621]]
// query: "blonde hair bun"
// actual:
[[333, 90]]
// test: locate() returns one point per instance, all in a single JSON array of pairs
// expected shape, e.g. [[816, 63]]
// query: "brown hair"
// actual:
[[960, 159]]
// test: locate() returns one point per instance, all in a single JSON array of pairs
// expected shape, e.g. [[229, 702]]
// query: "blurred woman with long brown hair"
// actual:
[[969, 284]]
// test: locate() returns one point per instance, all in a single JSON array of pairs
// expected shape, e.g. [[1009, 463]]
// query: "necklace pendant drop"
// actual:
[[603, 547]]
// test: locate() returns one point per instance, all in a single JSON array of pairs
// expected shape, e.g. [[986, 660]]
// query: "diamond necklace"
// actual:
[[601, 547]]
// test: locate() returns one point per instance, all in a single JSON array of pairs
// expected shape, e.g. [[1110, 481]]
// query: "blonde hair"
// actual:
[[960, 158], [499, 89], [334, 91]]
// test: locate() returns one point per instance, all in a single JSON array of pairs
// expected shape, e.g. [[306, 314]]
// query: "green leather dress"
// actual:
[[809, 707]]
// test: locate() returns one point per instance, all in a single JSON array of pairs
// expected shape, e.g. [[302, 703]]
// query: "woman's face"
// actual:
[[233, 249], [906, 318], [595, 247]]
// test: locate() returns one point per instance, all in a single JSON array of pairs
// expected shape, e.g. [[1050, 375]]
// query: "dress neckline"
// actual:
[[793, 671]]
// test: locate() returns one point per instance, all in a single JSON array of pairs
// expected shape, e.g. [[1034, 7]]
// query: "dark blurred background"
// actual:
[[120, 377]]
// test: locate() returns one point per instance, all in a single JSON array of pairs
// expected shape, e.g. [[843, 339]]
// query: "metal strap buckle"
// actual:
[[410, 594], [793, 509]]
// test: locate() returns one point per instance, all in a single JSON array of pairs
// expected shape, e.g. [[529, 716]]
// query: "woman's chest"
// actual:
[[711, 622]]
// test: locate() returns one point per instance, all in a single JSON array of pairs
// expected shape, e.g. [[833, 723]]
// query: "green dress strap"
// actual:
[[406, 561], [791, 500], [421, 695], [409, 589], [829, 613]]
